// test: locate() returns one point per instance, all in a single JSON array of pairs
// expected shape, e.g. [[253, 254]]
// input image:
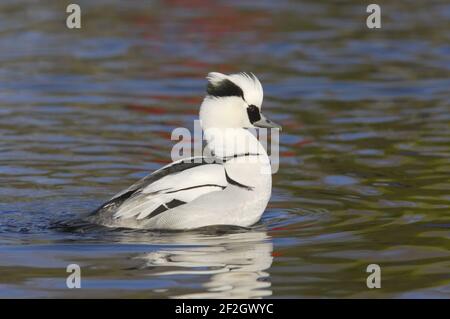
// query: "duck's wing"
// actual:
[[171, 186]]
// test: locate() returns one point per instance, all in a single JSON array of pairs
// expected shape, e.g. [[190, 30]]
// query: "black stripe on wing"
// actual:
[[175, 202], [193, 187], [236, 183], [112, 205], [161, 209], [172, 169]]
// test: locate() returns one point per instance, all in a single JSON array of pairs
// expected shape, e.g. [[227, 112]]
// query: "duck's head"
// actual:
[[233, 101]]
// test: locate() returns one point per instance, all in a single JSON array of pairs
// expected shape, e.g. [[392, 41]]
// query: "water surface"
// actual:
[[364, 158]]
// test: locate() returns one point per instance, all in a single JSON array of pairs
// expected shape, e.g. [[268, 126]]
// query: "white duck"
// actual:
[[232, 187]]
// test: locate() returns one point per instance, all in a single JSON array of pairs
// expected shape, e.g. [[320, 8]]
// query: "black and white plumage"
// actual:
[[231, 188]]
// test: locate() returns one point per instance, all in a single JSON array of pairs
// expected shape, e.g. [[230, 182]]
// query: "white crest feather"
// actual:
[[248, 82], [215, 77]]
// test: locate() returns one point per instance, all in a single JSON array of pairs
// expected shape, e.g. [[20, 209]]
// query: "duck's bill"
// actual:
[[265, 122]]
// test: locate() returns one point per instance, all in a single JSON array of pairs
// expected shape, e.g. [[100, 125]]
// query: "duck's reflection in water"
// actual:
[[236, 264]]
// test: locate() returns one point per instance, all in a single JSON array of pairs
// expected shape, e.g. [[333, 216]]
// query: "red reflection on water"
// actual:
[[303, 142], [164, 135], [146, 109], [161, 161], [288, 154], [276, 254]]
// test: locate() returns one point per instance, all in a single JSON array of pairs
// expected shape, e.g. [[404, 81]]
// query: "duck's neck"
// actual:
[[226, 142]]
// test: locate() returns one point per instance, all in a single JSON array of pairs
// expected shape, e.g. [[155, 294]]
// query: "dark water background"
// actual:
[[364, 174]]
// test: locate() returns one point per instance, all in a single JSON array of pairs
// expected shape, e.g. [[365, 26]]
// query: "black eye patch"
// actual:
[[253, 114], [224, 88]]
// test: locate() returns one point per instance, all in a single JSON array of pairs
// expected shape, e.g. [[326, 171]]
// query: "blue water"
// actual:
[[364, 152]]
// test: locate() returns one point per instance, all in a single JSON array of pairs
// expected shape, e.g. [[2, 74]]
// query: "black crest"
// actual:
[[224, 88]]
